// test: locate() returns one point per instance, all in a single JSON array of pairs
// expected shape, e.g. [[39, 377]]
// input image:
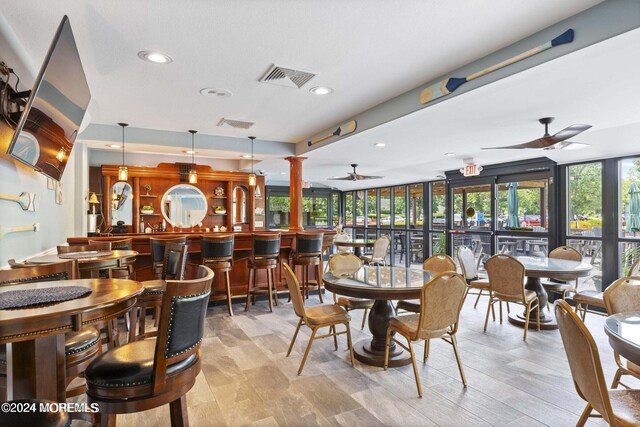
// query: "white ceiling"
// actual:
[[367, 50]]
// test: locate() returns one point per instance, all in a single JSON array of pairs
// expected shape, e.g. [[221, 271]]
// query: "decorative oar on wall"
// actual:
[[343, 129], [445, 87], [27, 201], [17, 229]]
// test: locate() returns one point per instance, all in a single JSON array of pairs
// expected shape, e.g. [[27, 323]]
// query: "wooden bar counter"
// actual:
[[242, 250]]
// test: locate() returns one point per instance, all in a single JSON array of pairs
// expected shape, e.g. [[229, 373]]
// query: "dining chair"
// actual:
[[469, 270], [156, 246], [621, 296], [316, 317], [126, 271], [173, 268], [80, 347], [146, 374], [441, 300], [435, 264], [379, 254], [99, 246], [559, 286], [217, 254], [588, 297], [506, 283], [346, 264], [617, 407], [633, 271]]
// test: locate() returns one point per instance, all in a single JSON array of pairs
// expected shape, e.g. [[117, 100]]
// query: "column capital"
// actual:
[[294, 159]]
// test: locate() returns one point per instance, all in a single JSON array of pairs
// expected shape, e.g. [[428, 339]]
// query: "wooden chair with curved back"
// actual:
[[126, 271], [97, 246], [588, 377], [316, 317], [506, 283], [80, 347], [146, 374], [379, 254], [156, 247], [217, 254], [345, 264], [558, 286], [173, 268], [307, 253], [621, 296], [441, 300], [265, 256], [438, 263]]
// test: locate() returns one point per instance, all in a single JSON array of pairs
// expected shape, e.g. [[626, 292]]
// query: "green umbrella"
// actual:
[[512, 206], [633, 222]]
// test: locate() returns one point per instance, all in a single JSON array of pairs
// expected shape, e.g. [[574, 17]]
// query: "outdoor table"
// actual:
[[35, 336], [89, 265], [381, 284], [357, 244], [623, 330]]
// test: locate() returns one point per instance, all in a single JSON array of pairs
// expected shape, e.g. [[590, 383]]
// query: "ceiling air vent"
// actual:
[[287, 77], [238, 124]]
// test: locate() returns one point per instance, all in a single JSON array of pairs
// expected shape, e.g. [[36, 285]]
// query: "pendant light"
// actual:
[[252, 176], [193, 173], [123, 172]]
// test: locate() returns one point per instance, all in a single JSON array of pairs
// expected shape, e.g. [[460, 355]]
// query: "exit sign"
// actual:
[[471, 169]]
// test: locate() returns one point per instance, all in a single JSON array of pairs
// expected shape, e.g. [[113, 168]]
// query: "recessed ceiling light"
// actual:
[[246, 156], [190, 151], [449, 154], [215, 92], [321, 90], [283, 173], [155, 57], [113, 145], [379, 144]]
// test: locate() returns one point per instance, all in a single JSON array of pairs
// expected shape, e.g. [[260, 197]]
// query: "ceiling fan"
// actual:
[[354, 176], [552, 142]]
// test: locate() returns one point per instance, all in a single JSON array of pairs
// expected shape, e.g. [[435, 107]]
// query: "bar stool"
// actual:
[[217, 254], [308, 253], [266, 253], [126, 271], [157, 252]]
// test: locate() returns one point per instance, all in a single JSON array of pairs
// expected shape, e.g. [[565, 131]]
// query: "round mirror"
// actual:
[[184, 205], [240, 199], [121, 203]]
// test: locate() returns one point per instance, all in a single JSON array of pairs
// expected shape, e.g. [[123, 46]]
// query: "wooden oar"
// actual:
[[445, 87], [4, 231], [24, 199], [344, 129]]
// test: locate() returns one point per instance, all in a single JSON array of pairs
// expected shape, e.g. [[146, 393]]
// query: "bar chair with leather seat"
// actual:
[[506, 279], [97, 246], [621, 296], [617, 407], [379, 254], [157, 252], [307, 253], [558, 286], [316, 317], [80, 347], [265, 256], [217, 254], [345, 264], [126, 270], [146, 374], [173, 268], [441, 300], [435, 264]]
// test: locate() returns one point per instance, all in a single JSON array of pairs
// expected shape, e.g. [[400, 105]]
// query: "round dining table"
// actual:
[[35, 335], [91, 262], [357, 244], [536, 268], [623, 330], [382, 284]]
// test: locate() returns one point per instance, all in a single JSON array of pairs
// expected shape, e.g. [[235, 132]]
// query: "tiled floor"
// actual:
[[247, 380]]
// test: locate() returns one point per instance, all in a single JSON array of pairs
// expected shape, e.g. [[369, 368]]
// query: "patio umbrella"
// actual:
[[512, 206], [633, 223]]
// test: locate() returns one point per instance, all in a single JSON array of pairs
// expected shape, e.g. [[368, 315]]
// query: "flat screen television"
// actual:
[[51, 118]]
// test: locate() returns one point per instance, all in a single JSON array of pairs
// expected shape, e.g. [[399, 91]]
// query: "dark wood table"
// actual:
[[623, 330], [90, 263], [536, 268], [382, 284], [35, 336], [357, 244]]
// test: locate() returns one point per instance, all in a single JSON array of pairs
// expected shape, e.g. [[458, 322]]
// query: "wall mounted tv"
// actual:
[[55, 107]]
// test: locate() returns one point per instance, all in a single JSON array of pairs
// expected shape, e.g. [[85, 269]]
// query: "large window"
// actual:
[[372, 218], [279, 209], [360, 208], [335, 208], [472, 207], [628, 213], [315, 211], [399, 206], [437, 236], [348, 209], [523, 205], [385, 207], [416, 206]]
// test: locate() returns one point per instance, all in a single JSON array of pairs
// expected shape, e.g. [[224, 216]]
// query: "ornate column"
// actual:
[[295, 192]]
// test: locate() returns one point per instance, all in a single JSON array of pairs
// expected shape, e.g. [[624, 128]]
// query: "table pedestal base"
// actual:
[[547, 319], [363, 352]]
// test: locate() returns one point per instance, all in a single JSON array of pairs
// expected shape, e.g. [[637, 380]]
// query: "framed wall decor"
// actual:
[[58, 191], [50, 184]]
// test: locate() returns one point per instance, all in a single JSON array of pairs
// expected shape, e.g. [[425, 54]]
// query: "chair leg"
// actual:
[[538, 317], [526, 321], [501, 312], [306, 352], [178, 412], [246, 304], [275, 288], [349, 342], [426, 350], [228, 286], [478, 298], [584, 416], [133, 327], [270, 290], [584, 311], [156, 316], [486, 320], [454, 343], [293, 340], [386, 349], [319, 282], [106, 420], [415, 368], [335, 337], [364, 318]]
